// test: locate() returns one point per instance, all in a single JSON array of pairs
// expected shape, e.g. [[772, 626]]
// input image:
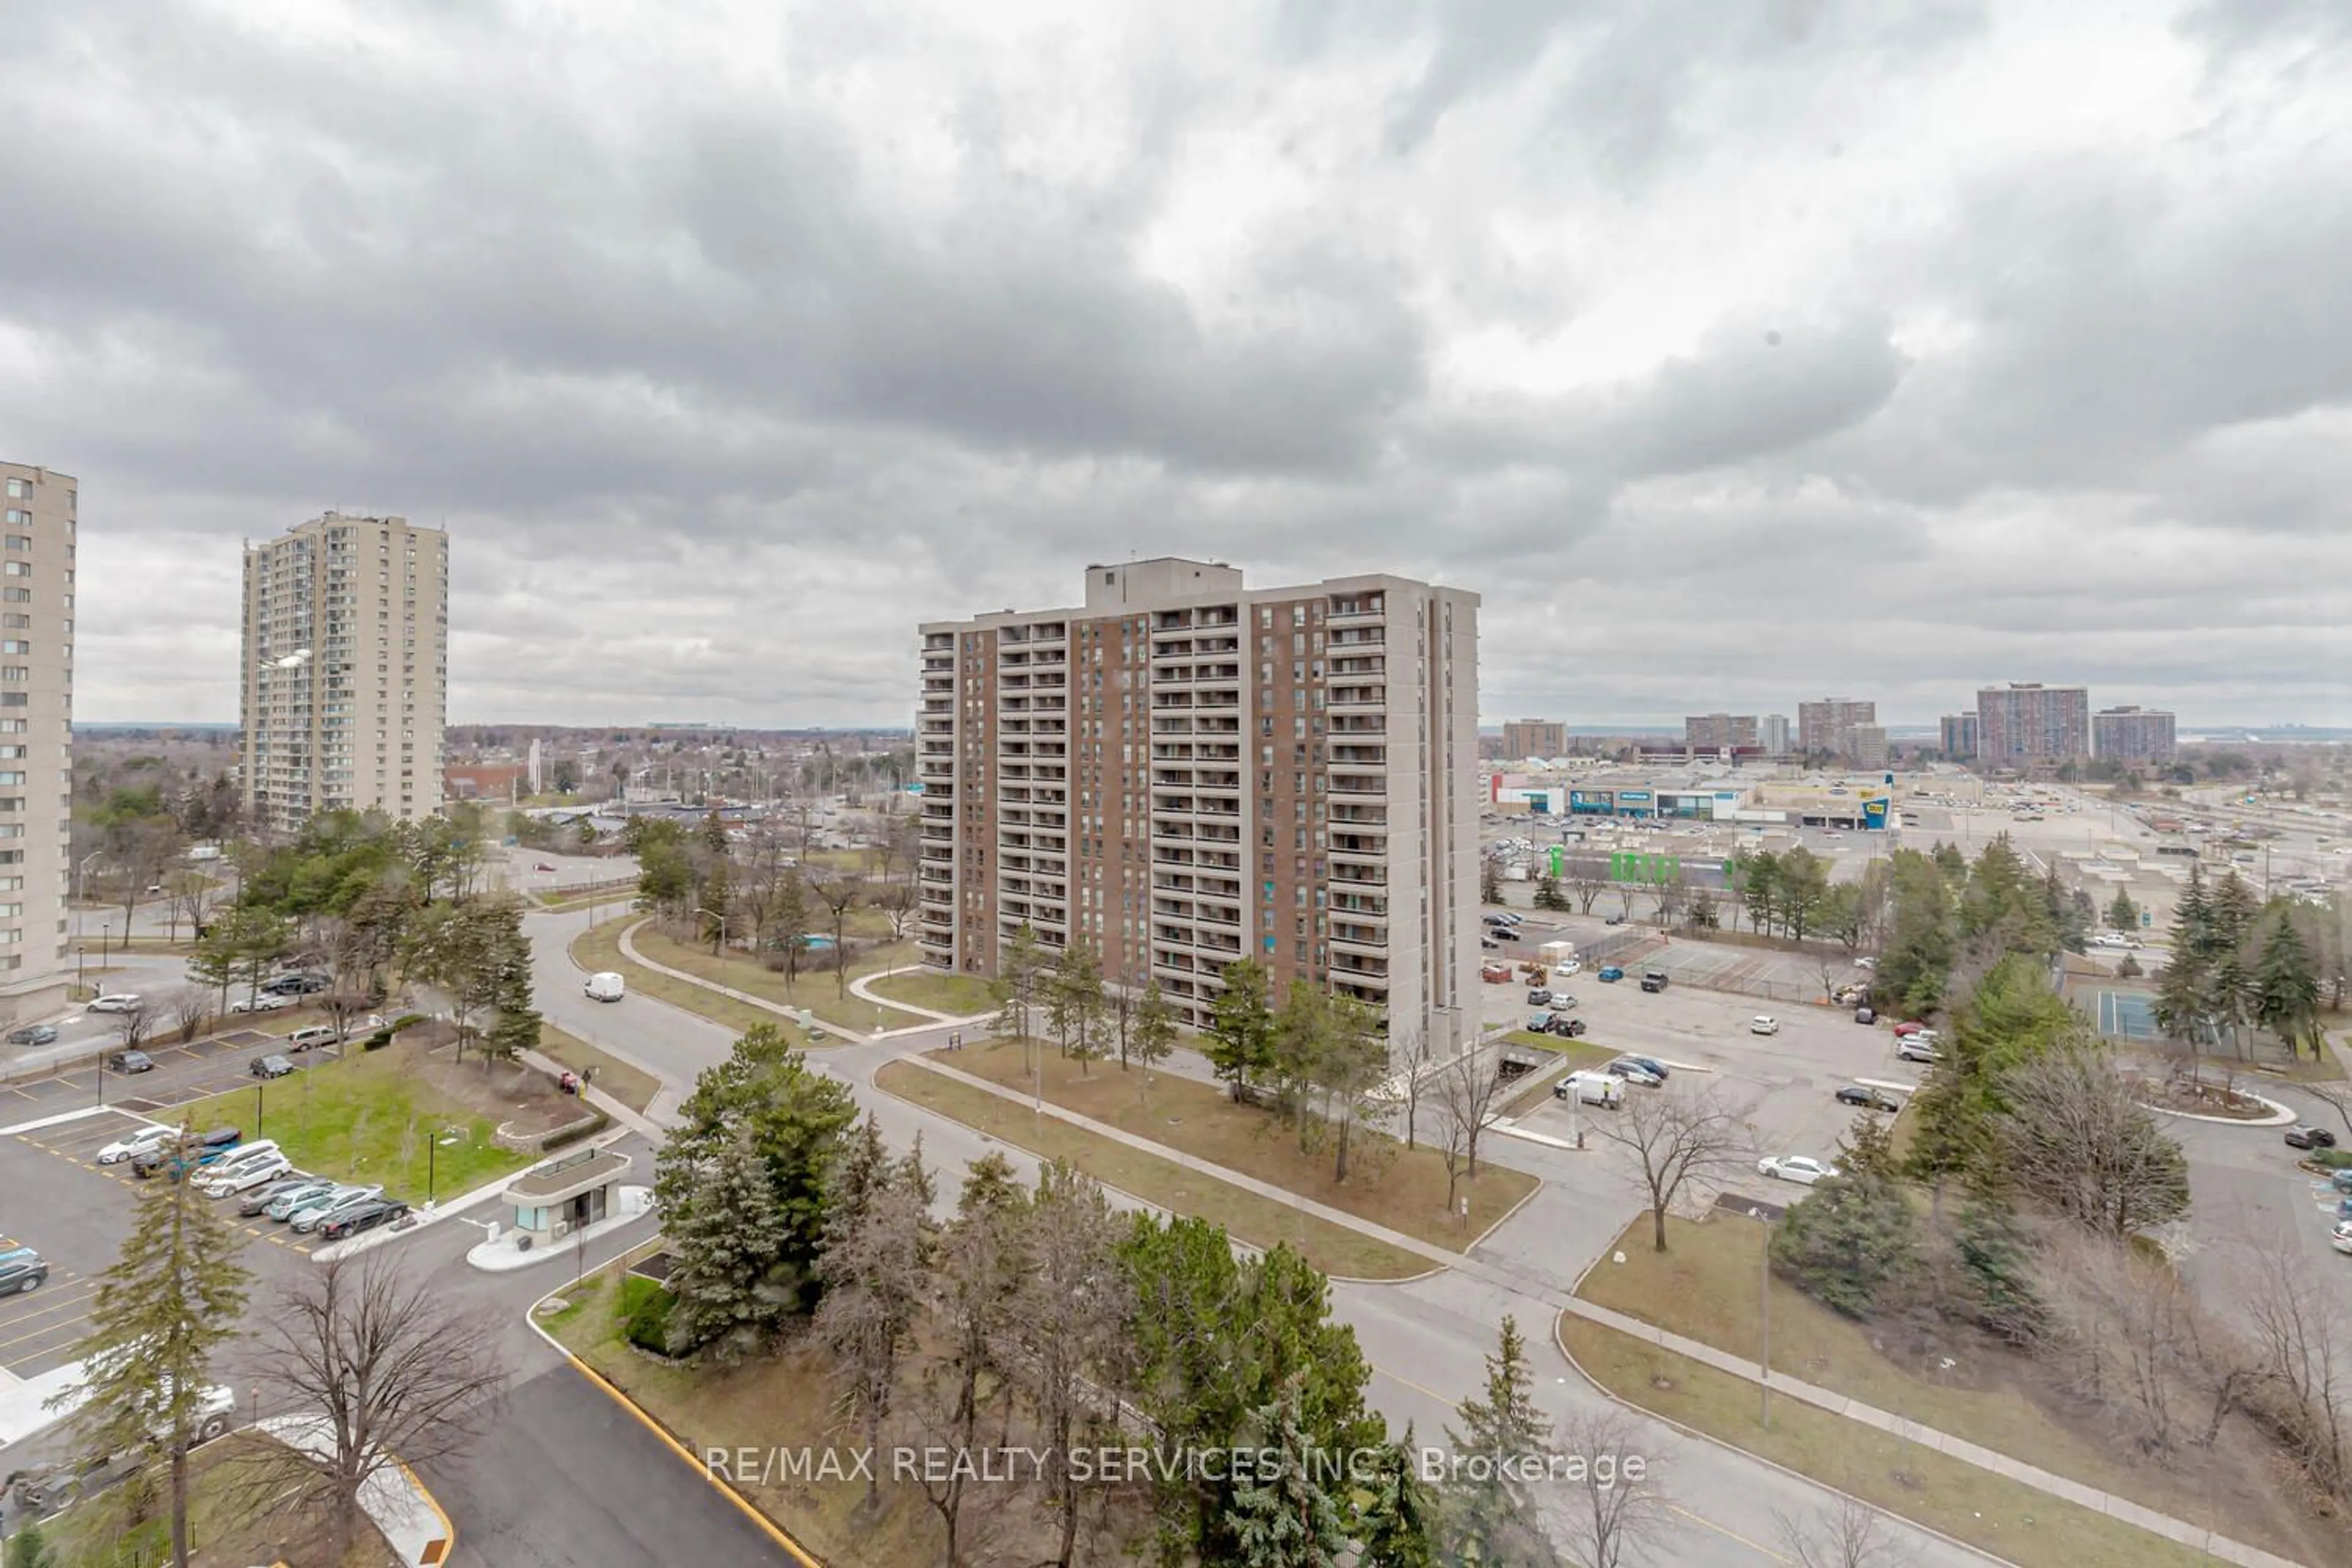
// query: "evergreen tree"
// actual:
[[1395, 1514], [1490, 883], [2123, 915], [2231, 917], [1288, 1518], [1547, 893], [2230, 993], [515, 1025], [169, 1301], [2286, 985], [1155, 1033], [1997, 1271], [1490, 1516], [1074, 1003], [1019, 973], [726, 1238], [1851, 1243], [863, 1170], [28, 1548], [1241, 1026], [1922, 938]]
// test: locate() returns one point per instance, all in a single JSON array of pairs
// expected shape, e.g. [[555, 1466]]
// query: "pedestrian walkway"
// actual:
[[1507, 1278], [863, 986], [926, 1018], [621, 1114]]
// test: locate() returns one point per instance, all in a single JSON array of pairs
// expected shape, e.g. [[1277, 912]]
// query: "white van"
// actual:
[[1591, 1088], [605, 986]]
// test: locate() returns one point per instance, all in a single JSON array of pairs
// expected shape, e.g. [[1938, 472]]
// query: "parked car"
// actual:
[[1495, 973], [261, 1001], [166, 1158], [1802, 1169], [259, 1199], [1911, 1027], [246, 1176], [310, 1217], [1633, 1071], [1865, 963], [1615, 921], [1565, 1027], [131, 1061], [1864, 1015], [1610, 974], [21, 1269], [270, 1067], [1654, 980], [313, 1037], [1498, 922], [2310, 1138], [33, 1035], [298, 984], [1868, 1099], [366, 1216], [136, 1143], [542, 865], [1508, 919], [116, 1002], [2341, 1240], [1574, 966], [1539, 996], [1763, 1024], [286, 1202], [1656, 1069], [1490, 944], [1561, 1001], [1915, 1049]]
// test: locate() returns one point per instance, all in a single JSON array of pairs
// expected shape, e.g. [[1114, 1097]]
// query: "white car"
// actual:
[[1572, 968], [1802, 1169], [136, 1144], [266, 1002], [247, 1177], [1764, 1024], [1866, 963], [116, 1002], [2341, 1240]]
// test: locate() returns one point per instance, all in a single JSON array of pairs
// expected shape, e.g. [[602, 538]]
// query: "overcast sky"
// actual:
[[1735, 351]]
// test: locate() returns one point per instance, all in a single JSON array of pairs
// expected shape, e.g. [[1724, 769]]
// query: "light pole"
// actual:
[[722, 926], [105, 936], [81, 956], [432, 1144]]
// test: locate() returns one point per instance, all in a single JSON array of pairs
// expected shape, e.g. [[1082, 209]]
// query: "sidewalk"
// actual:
[[414, 1524], [2215, 1546], [928, 1019]]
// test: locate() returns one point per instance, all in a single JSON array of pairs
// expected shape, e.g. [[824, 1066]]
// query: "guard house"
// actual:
[[553, 1200]]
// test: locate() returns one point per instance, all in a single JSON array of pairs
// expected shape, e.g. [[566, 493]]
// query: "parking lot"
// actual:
[[182, 1073], [74, 1211], [1789, 1078]]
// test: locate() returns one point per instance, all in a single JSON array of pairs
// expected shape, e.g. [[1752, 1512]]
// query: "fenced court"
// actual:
[[2127, 1015]]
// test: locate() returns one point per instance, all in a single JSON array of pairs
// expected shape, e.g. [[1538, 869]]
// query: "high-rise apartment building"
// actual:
[[1826, 728], [2131, 735], [1772, 733], [346, 670], [1526, 738], [37, 631], [2026, 723], [1719, 732], [1185, 772], [1866, 744], [1957, 736]]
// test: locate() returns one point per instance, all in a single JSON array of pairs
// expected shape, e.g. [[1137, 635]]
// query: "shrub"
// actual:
[[376, 1041], [1852, 1243], [564, 1137], [407, 1021], [2330, 1158], [644, 1311]]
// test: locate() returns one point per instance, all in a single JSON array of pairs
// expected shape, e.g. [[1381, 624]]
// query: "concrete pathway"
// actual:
[[622, 1115], [863, 986], [629, 951], [1497, 1273]]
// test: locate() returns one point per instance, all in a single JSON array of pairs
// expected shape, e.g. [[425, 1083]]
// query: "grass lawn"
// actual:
[[371, 1117], [817, 990], [763, 1403], [1246, 1215], [1405, 1189], [1705, 1288], [961, 995], [598, 948], [225, 1530], [2008, 1519], [632, 1087]]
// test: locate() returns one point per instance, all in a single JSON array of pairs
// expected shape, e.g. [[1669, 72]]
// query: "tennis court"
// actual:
[[2127, 1015]]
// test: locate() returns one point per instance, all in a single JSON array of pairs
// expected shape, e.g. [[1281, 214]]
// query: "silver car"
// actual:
[[310, 1217], [285, 1203]]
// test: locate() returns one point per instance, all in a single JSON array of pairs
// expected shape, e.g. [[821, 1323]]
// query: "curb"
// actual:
[[669, 1439], [2279, 1116], [1751, 1454]]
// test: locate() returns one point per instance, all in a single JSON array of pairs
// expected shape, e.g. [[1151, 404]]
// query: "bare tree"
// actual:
[[1676, 1133], [134, 1023], [1613, 1506], [2305, 1344], [1410, 1057], [1588, 881], [1069, 1327], [1468, 1087], [2073, 1136], [965, 1372], [190, 1008], [2338, 1098], [837, 894], [1846, 1533], [897, 901], [193, 895], [875, 1277], [390, 1371]]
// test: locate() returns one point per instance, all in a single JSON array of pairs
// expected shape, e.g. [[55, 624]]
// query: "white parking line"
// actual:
[[58, 1120]]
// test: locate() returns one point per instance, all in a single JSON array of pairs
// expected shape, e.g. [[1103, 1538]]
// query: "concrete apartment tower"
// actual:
[[346, 683], [36, 623], [1185, 772]]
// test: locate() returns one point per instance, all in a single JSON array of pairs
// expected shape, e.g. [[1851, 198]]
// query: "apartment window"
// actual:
[[15, 645], [18, 595], [18, 488], [17, 540], [19, 569]]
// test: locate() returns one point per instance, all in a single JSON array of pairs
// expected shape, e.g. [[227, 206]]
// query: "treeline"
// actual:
[[2237, 964], [1040, 1318]]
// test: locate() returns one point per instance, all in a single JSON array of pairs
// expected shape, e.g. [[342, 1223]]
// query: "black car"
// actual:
[[295, 984], [33, 1035], [131, 1061], [1615, 921], [1538, 996], [1490, 944], [1570, 1028], [365, 1217], [1868, 1099], [2310, 1138], [270, 1065]]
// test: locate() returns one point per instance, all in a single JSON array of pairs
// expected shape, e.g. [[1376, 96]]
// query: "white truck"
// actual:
[[1555, 954]]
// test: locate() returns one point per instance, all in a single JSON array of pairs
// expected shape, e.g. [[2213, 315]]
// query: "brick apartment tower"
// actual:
[[346, 670], [1185, 771], [37, 626]]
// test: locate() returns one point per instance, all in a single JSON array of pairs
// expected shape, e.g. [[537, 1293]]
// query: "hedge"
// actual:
[[644, 1311]]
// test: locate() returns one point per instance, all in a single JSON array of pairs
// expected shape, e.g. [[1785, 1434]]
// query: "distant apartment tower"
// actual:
[[346, 683], [1957, 736], [1866, 744], [2131, 735], [2026, 724], [1772, 733], [1827, 726], [1525, 738], [1185, 772], [36, 622], [1719, 732]]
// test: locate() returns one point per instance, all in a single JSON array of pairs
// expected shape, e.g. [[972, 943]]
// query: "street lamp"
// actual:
[[722, 925], [106, 936], [440, 1134], [81, 956]]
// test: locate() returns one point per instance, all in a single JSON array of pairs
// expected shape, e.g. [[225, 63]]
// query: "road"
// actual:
[[1427, 1340]]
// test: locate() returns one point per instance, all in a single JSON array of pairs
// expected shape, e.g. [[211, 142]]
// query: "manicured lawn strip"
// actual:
[[598, 948], [2022, 1523], [1246, 1215], [960, 995], [769, 1404], [815, 988], [364, 1119], [1400, 1189], [632, 1087], [1705, 1288]]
